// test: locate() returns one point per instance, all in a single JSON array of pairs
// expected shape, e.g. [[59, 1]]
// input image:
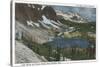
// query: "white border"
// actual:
[[53, 3], [45, 3], [13, 33]]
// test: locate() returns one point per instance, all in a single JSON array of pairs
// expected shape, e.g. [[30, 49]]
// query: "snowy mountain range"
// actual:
[[37, 15], [47, 17], [75, 17]]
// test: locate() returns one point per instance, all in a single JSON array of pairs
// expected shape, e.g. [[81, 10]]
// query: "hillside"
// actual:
[[25, 55]]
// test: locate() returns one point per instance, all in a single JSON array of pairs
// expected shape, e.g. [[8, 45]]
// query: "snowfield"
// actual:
[[49, 22]]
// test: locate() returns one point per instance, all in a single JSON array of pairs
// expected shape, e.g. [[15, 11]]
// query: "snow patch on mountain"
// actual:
[[37, 24], [44, 25], [30, 23], [43, 7], [54, 22], [29, 5], [33, 6], [49, 22]]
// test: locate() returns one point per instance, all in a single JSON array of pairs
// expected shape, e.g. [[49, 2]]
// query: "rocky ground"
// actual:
[[26, 55]]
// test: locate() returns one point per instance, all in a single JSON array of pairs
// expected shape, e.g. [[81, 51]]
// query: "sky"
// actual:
[[85, 12]]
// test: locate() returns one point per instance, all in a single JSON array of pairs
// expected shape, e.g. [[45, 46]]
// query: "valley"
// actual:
[[54, 36]]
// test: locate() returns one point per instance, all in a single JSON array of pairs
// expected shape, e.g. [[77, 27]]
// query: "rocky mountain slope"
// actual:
[[37, 15], [25, 55]]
